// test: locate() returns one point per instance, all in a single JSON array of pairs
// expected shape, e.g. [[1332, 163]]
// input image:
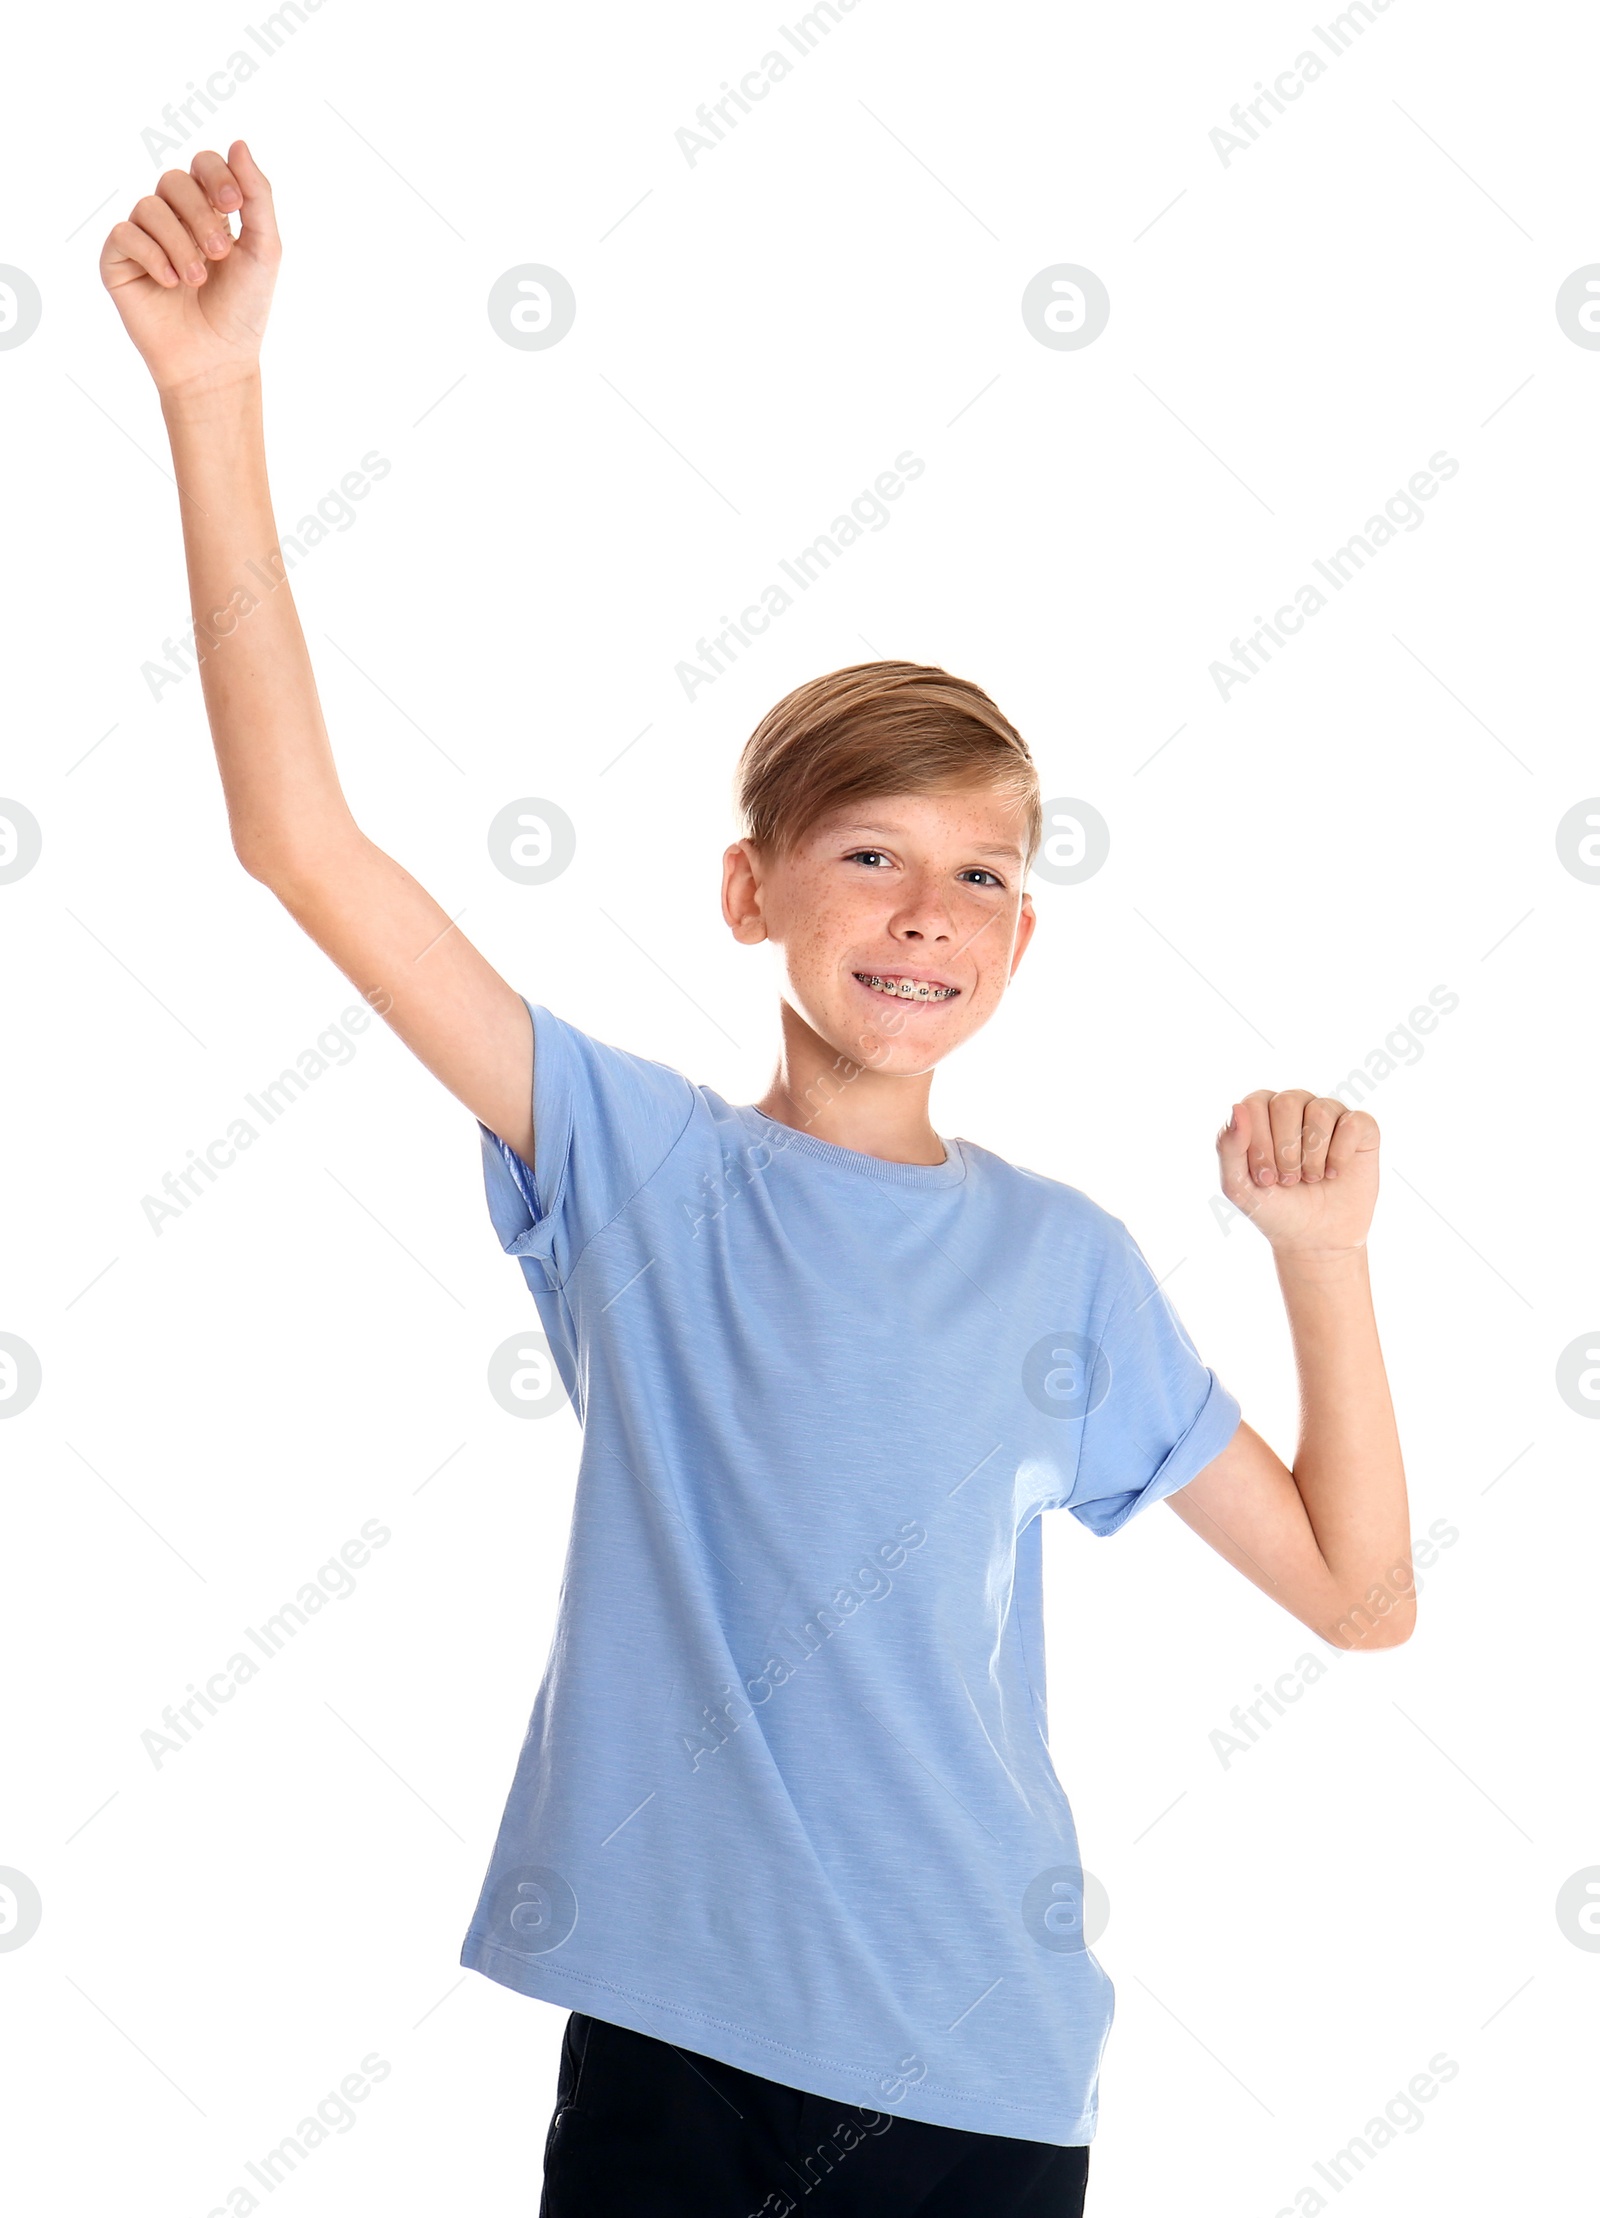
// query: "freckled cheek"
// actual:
[[813, 954], [827, 932]]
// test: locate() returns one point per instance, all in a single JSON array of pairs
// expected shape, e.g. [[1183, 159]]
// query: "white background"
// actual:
[[1294, 1934]]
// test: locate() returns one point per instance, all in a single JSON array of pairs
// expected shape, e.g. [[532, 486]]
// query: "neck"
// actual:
[[817, 1090]]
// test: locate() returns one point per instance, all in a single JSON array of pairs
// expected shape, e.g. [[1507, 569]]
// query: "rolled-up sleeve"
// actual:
[[604, 1122], [1158, 1414]]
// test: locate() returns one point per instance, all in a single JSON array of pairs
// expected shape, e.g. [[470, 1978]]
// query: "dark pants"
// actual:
[[646, 2130]]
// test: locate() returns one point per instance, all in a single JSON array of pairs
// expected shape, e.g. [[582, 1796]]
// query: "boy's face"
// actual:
[[913, 891]]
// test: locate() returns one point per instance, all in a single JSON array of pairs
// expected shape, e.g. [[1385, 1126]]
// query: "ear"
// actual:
[[741, 894], [1026, 920]]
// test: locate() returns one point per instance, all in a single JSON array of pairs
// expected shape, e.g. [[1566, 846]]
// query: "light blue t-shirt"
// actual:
[[786, 1797]]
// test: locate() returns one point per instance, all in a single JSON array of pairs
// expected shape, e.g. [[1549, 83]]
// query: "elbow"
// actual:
[[256, 844], [1382, 1619], [254, 861], [1396, 1629], [289, 861], [1366, 1607]]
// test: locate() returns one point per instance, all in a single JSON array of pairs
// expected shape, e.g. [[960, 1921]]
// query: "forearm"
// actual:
[[198, 324], [278, 774], [1347, 1464]]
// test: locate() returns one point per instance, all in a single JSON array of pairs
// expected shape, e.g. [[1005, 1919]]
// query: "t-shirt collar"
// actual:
[[781, 1137]]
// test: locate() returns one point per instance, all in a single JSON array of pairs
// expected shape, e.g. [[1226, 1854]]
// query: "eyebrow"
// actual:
[[889, 831]]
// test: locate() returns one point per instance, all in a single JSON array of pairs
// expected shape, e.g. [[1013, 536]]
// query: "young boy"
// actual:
[[784, 1836]]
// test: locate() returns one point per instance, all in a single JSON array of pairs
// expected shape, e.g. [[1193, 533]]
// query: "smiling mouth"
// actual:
[[897, 987]]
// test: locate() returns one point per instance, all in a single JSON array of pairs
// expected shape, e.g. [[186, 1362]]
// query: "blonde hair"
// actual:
[[873, 729]]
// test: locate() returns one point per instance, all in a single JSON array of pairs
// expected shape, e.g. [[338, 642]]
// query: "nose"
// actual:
[[923, 916]]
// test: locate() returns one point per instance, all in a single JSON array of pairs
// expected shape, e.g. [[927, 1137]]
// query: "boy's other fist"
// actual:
[[1303, 1167], [193, 298]]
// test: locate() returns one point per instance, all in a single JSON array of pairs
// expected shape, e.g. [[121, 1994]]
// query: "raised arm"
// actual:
[[194, 301], [1329, 1539]]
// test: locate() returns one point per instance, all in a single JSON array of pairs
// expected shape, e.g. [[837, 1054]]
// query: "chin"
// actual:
[[894, 1055]]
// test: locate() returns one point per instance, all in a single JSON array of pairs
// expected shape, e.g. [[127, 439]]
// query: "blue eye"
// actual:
[[865, 854]]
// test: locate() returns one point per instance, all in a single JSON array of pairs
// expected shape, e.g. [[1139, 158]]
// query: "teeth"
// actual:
[[907, 989]]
